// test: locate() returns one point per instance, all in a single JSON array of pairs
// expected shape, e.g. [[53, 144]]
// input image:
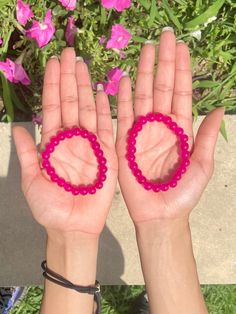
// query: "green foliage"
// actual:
[[220, 299], [213, 56]]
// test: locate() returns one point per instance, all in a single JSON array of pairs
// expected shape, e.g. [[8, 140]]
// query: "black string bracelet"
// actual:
[[61, 281]]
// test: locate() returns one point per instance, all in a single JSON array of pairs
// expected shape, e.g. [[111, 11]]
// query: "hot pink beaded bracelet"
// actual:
[[131, 149], [102, 169]]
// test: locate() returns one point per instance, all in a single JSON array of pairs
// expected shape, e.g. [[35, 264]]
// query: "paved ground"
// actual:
[[212, 223]]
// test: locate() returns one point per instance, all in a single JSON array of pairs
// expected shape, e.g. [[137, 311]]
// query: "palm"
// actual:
[[156, 147], [73, 158]]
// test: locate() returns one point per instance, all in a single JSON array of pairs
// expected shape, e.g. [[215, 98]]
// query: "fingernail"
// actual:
[[125, 73], [100, 88], [79, 59], [54, 57], [168, 29], [180, 41], [149, 41]]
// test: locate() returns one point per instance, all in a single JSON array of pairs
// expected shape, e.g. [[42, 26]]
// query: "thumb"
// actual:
[[27, 153], [206, 138]]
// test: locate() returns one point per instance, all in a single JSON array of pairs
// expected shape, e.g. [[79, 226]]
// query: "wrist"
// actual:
[[162, 229], [73, 255]]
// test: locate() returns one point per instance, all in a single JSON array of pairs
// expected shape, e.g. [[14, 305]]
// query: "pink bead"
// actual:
[[102, 160], [184, 146], [61, 182], [179, 131], [159, 117], [151, 116], [133, 165], [83, 191], [54, 177], [50, 148], [131, 141], [164, 187], [137, 172], [45, 155], [75, 191], [134, 133], [76, 131], [147, 185], [173, 183], [84, 133], [61, 136], [156, 188], [50, 171], [185, 154], [95, 145], [130, 157], [67, 187], [186, 162], [141, 179], [99, 185], [102, 168], [167, 120], [184, 138], [46, 164], [183, 169], [102, 177], [55, 140], [131, 150], [142, 120], [91, 189], [137, 127], [173, 126], [92, 138], [177, 176], [99, 153]]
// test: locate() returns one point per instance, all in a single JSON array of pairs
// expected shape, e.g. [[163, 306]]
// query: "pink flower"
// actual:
[[1, 41], [14, 72], [71, 30], [37, 119], [68, 4], [23, 12], [119, 5], [102, 40], [42, 32], [112, 86], [120, 37]]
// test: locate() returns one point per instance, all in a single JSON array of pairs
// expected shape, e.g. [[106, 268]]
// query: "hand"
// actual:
[[169, 93], [67, 101]]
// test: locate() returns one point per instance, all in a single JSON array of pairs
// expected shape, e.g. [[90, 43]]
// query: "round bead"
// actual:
[[184, 138], [75, 191], [99, 185], [179, 131], [184, 146], [76, 131], [133, 165], [141, 179], [61, 136], [45, 155], [50, 171], [61, 182], [137, 172], [50, 148], [84, 133], [54, 177], [99, 153], [131, 141], [130, 157], [131, 150], [83, 191], [173, 183], [150, 116], [142, 120], [46, 164], [164, 187], [102, 168], [186, 162], [55, 140], [159, 117], [156, 188], [95, 145], [67, 187], [102, 160], [147, 185], [173, 126], [167, 120], [185, 154], [102, 177], [92, 138]]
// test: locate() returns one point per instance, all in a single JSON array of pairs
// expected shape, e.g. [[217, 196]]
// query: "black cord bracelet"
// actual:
[[59, 280]]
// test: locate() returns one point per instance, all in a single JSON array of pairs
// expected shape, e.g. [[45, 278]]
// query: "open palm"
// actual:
[[170, 92], [68, 101]]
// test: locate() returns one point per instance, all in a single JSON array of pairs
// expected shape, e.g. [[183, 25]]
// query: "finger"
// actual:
[[205, 142], [87, 109], [104, 121], [125, 113], [27, 154], [182, 98], [69, 96], [165, 75], [143, 98], [51, 100]]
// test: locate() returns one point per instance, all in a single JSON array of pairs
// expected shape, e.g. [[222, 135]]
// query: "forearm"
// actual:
[[169, 267], [73, 256]]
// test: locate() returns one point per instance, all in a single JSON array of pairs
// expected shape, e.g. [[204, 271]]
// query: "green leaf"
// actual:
[[171, 14], [16, 101], [7, 99], [153, 13], [145, 3], [223, 130], [203, 18], [207, 84], [138, 39], [103, 16], [59, 34]]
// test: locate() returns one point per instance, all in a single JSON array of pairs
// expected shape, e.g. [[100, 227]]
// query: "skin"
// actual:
[[74, 224]]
